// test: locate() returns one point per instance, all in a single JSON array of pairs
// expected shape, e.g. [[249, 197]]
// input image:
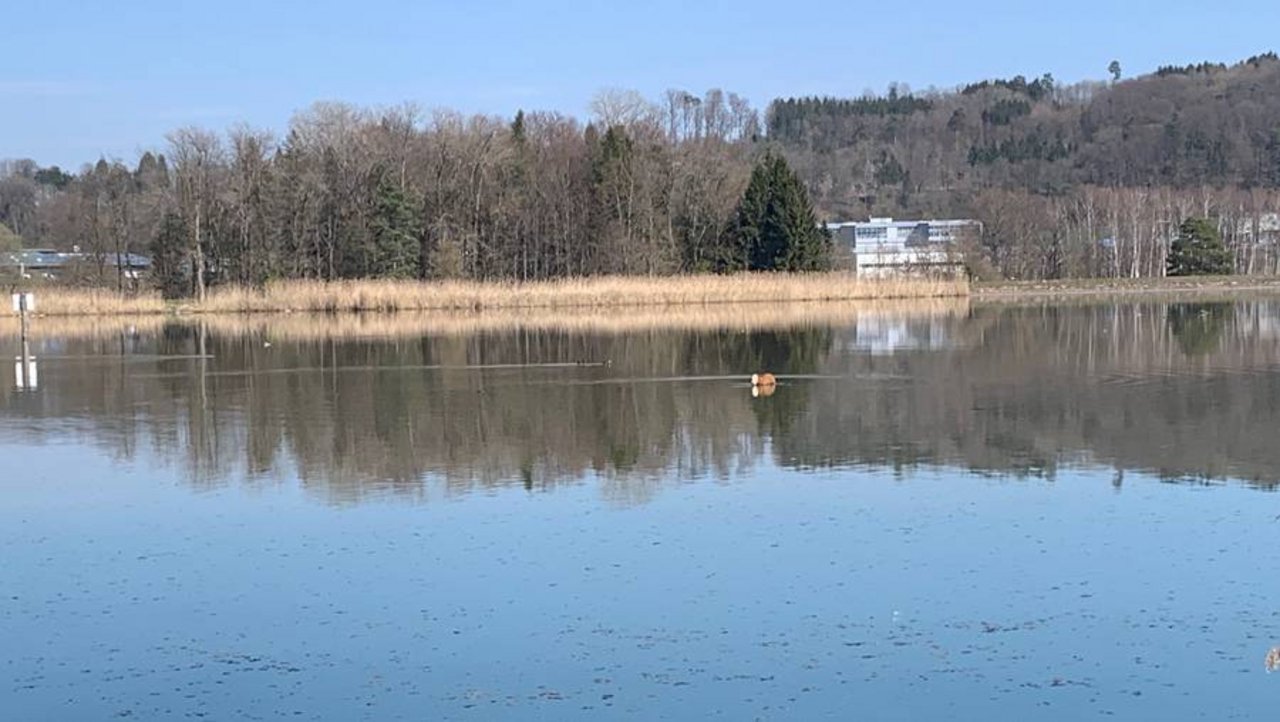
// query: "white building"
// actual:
[[883, 246], [1263, 229]]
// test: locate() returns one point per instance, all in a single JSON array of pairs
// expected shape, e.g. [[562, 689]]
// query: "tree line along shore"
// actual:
[[1091, 179]]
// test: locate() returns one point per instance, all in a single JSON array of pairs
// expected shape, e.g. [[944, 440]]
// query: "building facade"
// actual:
[[885, 247], [51, 265]]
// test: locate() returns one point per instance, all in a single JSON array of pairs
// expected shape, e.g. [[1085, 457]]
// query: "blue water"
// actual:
[[134, 587], [785, 595]]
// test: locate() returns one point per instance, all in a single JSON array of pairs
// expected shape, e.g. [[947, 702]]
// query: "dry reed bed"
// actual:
[[605, 292], [306, 327], [61, 301]]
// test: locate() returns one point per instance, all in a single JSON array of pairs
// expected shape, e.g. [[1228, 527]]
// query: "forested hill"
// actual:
[[1180, 127]]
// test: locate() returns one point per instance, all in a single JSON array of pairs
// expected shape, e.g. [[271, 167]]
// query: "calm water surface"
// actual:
[[995, 513]]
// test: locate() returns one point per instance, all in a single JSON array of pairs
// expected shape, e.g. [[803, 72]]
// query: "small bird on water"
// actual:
[[763, 379]]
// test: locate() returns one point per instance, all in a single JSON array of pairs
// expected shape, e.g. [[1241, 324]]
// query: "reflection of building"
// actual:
[[44, 263], [892, 334], [883, 246]]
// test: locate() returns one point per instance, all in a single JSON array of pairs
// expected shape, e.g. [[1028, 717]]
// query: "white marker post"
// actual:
[[25, 367]]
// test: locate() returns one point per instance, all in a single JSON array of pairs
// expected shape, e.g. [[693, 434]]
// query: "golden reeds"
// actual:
[[60, 301], [602, 292]]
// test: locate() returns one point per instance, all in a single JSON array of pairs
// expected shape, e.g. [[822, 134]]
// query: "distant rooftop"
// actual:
[[48, 259], [885, 235], [891, 223]]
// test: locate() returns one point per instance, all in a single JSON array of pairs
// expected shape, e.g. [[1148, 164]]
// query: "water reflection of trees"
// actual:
[[1112, 384], [1010, 391], [534, 408], [1198, 327]]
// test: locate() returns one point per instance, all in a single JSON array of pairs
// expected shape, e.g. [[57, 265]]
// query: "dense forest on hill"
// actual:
[[1089, 179], [1179, 127]]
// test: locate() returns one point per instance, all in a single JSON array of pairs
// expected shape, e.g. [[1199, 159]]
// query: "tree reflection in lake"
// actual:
[[1183, 391], [1199, 326]]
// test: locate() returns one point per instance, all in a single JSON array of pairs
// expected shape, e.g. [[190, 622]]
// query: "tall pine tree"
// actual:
[[1198, 251], [396, 232], [170, 266], [774, 227]]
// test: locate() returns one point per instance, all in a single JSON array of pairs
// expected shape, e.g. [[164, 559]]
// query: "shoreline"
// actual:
[[728, 302], [1106, 288]]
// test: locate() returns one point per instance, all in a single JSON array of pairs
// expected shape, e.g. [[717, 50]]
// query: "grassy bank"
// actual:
[[1103, 287], [61, 301], [589, 293]]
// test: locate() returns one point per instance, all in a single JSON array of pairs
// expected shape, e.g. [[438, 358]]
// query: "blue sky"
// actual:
[[83, 79]]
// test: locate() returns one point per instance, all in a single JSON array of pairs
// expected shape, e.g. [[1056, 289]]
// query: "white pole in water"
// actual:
[[23, 304]]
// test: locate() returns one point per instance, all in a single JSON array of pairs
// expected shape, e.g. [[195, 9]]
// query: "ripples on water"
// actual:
[[954, 512]]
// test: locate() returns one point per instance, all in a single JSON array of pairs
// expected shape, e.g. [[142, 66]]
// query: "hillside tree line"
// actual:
[[1089, 179]]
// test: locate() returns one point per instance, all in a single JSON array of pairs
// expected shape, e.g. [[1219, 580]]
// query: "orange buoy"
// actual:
[[764, 379]]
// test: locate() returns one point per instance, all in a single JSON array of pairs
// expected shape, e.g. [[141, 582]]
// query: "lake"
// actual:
[[1054, 511]]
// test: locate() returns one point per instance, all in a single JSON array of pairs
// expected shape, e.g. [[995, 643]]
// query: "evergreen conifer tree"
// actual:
[[1198, 251], [742, 246], [517, 128], [396, 232], [774, 227], [169, 257]]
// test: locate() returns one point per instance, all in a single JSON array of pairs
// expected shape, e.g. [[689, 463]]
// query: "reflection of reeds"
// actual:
[[83, 326], [315, 326], [575, 293], [604, 292]]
